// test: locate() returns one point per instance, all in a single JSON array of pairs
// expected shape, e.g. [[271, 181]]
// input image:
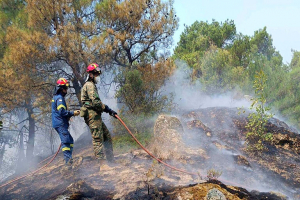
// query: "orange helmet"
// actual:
[[94, 67], [62, 82]]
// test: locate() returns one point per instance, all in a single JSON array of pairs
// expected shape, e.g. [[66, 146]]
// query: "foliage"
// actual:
[[140, 88], [125, 143], [213, 174], [240, 50], [41, 40], [257, 133], [110, 32], [136, 28], [215, 68], [135, 122], [295, 63], [20, 80], [197, 38], [233, 66], [139, 124], [9, 11], [263, 41], [288, 101]]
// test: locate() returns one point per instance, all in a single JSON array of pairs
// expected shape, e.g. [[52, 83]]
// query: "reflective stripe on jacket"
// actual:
[[60, 114]]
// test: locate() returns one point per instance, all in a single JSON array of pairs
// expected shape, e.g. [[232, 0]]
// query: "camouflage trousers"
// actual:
[[100, 136]]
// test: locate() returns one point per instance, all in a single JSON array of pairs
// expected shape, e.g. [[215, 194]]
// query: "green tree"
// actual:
[[140, 88], [263, 43], [240, 50], [197, 38], [289, 103], [295, 63], [9, 11], [19, 83], [257, 120], [216, 67]]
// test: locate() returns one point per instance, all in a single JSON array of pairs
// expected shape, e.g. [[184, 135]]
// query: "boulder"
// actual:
[[167, 141], [215, 194]]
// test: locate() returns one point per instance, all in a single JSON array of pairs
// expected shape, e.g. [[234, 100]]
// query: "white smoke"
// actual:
[[189, 96]]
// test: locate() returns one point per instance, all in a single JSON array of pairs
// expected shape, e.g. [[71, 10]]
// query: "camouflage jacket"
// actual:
[[90, 97]]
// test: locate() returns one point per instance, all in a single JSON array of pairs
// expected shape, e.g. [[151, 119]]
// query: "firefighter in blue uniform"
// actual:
[[61, 117]]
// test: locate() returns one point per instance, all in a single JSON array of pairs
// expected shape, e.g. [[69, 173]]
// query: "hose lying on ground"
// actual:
[[162, 162]]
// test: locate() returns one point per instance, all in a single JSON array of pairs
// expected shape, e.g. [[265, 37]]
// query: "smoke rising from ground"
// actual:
[[188, 95]]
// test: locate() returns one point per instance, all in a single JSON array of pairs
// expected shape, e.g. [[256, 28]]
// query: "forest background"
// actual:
[[42, 40]]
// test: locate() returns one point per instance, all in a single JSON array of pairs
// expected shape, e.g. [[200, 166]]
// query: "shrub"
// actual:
[[257, 133], [213, 174]]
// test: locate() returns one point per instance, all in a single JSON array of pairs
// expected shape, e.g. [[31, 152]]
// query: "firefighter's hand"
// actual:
[[76, 112]]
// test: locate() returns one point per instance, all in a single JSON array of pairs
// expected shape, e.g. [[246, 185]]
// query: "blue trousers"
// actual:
[[67, 142]]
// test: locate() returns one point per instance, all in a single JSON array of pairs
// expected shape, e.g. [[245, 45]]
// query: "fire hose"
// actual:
[[30, 174]]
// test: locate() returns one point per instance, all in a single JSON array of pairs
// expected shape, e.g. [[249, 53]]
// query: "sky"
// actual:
[[281, 17]]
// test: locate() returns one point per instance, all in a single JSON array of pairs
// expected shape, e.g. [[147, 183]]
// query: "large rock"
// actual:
[[167, 141], [215, 194]]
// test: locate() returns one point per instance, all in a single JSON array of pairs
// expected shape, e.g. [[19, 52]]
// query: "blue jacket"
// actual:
[[60, 114]]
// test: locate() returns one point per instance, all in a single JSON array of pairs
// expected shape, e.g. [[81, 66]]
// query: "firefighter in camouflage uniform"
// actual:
[[91, 110]]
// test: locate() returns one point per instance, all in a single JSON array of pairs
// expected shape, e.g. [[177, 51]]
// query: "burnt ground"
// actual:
[[214, 139], [278, 168]]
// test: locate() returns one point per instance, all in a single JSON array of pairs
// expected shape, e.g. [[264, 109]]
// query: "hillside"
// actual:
[[201, 140]]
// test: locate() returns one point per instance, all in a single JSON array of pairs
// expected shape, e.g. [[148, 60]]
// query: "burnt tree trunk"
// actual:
[[31, 135], [77, 88], [21, 155], [21, 148], [2, 150]]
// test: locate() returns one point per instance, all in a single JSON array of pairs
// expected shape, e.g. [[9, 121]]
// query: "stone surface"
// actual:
[[167, 142], [215, 194]]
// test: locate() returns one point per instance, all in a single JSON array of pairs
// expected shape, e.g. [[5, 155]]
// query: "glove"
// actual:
[[76, 112], [110, 111], [113, 113]]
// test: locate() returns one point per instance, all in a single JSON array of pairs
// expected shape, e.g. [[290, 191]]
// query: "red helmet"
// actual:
[[62, 82], [94, 68]]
